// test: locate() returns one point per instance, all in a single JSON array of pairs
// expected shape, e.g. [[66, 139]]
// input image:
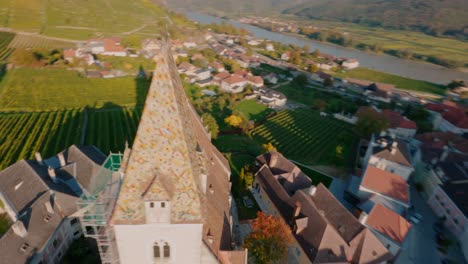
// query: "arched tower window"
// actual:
[[167, 250], [156, 251]]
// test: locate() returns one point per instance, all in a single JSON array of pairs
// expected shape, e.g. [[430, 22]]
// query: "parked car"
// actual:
[[414, 220], [247, 202]]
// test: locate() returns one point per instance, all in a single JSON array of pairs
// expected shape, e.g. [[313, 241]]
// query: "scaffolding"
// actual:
[[96, 205]]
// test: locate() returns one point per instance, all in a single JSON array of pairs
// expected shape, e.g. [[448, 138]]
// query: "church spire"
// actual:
[[163, 162]]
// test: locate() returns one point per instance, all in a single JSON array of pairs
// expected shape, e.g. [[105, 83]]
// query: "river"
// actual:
[[381, 62]]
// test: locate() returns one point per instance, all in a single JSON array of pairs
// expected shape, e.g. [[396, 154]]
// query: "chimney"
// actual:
[[52, 175], [311, 190], [39, 158], [19, 229], [297, 210], [49, 208], [61, 159], [394, 147], [363, 218], [444, 153], [273, 159]]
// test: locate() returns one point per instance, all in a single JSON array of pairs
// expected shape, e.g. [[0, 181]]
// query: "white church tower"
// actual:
[[174, 201]]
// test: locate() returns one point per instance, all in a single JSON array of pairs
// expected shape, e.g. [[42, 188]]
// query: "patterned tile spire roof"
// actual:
[[163, 162]]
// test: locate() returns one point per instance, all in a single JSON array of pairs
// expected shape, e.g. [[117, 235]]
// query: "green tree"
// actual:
[[455, 84], [328, 82], [269, 239], [301, 80], [370, 122]]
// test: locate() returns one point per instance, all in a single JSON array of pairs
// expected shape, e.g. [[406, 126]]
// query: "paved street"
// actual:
[[420, 245]]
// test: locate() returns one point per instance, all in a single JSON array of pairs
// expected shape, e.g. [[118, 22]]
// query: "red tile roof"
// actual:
[[255, 79], [437, 140], [69, 53], [222, 75], [111, 45], [397, 120], [453, 114], [388, 223], [242, 73], [386, 183], [234, 79]]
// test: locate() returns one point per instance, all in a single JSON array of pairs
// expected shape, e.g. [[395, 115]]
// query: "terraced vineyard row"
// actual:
[[5, 50], [110, 129], [22, 134], [305, 136], [31, 41]]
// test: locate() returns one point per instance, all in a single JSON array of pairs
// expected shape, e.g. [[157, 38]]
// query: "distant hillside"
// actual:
[[82, 19], [436, 17]]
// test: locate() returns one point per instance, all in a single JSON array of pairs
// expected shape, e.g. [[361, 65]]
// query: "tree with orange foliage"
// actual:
[[268, 242]]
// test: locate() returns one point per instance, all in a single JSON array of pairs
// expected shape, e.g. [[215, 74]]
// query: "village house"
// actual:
[[271, 98], [271, 78], [202, 76], [448, 117], [320, 76], [269, 47], [401, 126], [350, 64], [255, 81], [216, 67], [443, 175], [186, 68], [220, 77], [322, 230], [150, 45], [253, 42], [382, 187], [389, 227], [390, 154], [234, 84], [286, 56], [71, 56], [40, 198], [106, 46], [189, 44]]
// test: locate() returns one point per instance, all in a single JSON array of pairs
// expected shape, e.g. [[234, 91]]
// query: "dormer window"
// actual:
[[47, 218], [24, 247]]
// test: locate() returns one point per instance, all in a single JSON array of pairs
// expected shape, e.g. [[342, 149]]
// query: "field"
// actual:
[[109, 129], [32, 41], [398, 81], [304, 136], [80, 19], [5, 50], [31, 89], [388, 39], [251, 110], [22, 134]]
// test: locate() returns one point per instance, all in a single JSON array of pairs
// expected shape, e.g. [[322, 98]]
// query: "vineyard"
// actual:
[[22, 134], [305, 136], [110, 129], [5, 50], [31, 41], [31, 89]]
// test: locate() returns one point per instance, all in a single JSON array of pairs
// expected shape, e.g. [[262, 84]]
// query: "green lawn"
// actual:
[[398, 81], [32, 89], [4, 224], [251, 110]]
